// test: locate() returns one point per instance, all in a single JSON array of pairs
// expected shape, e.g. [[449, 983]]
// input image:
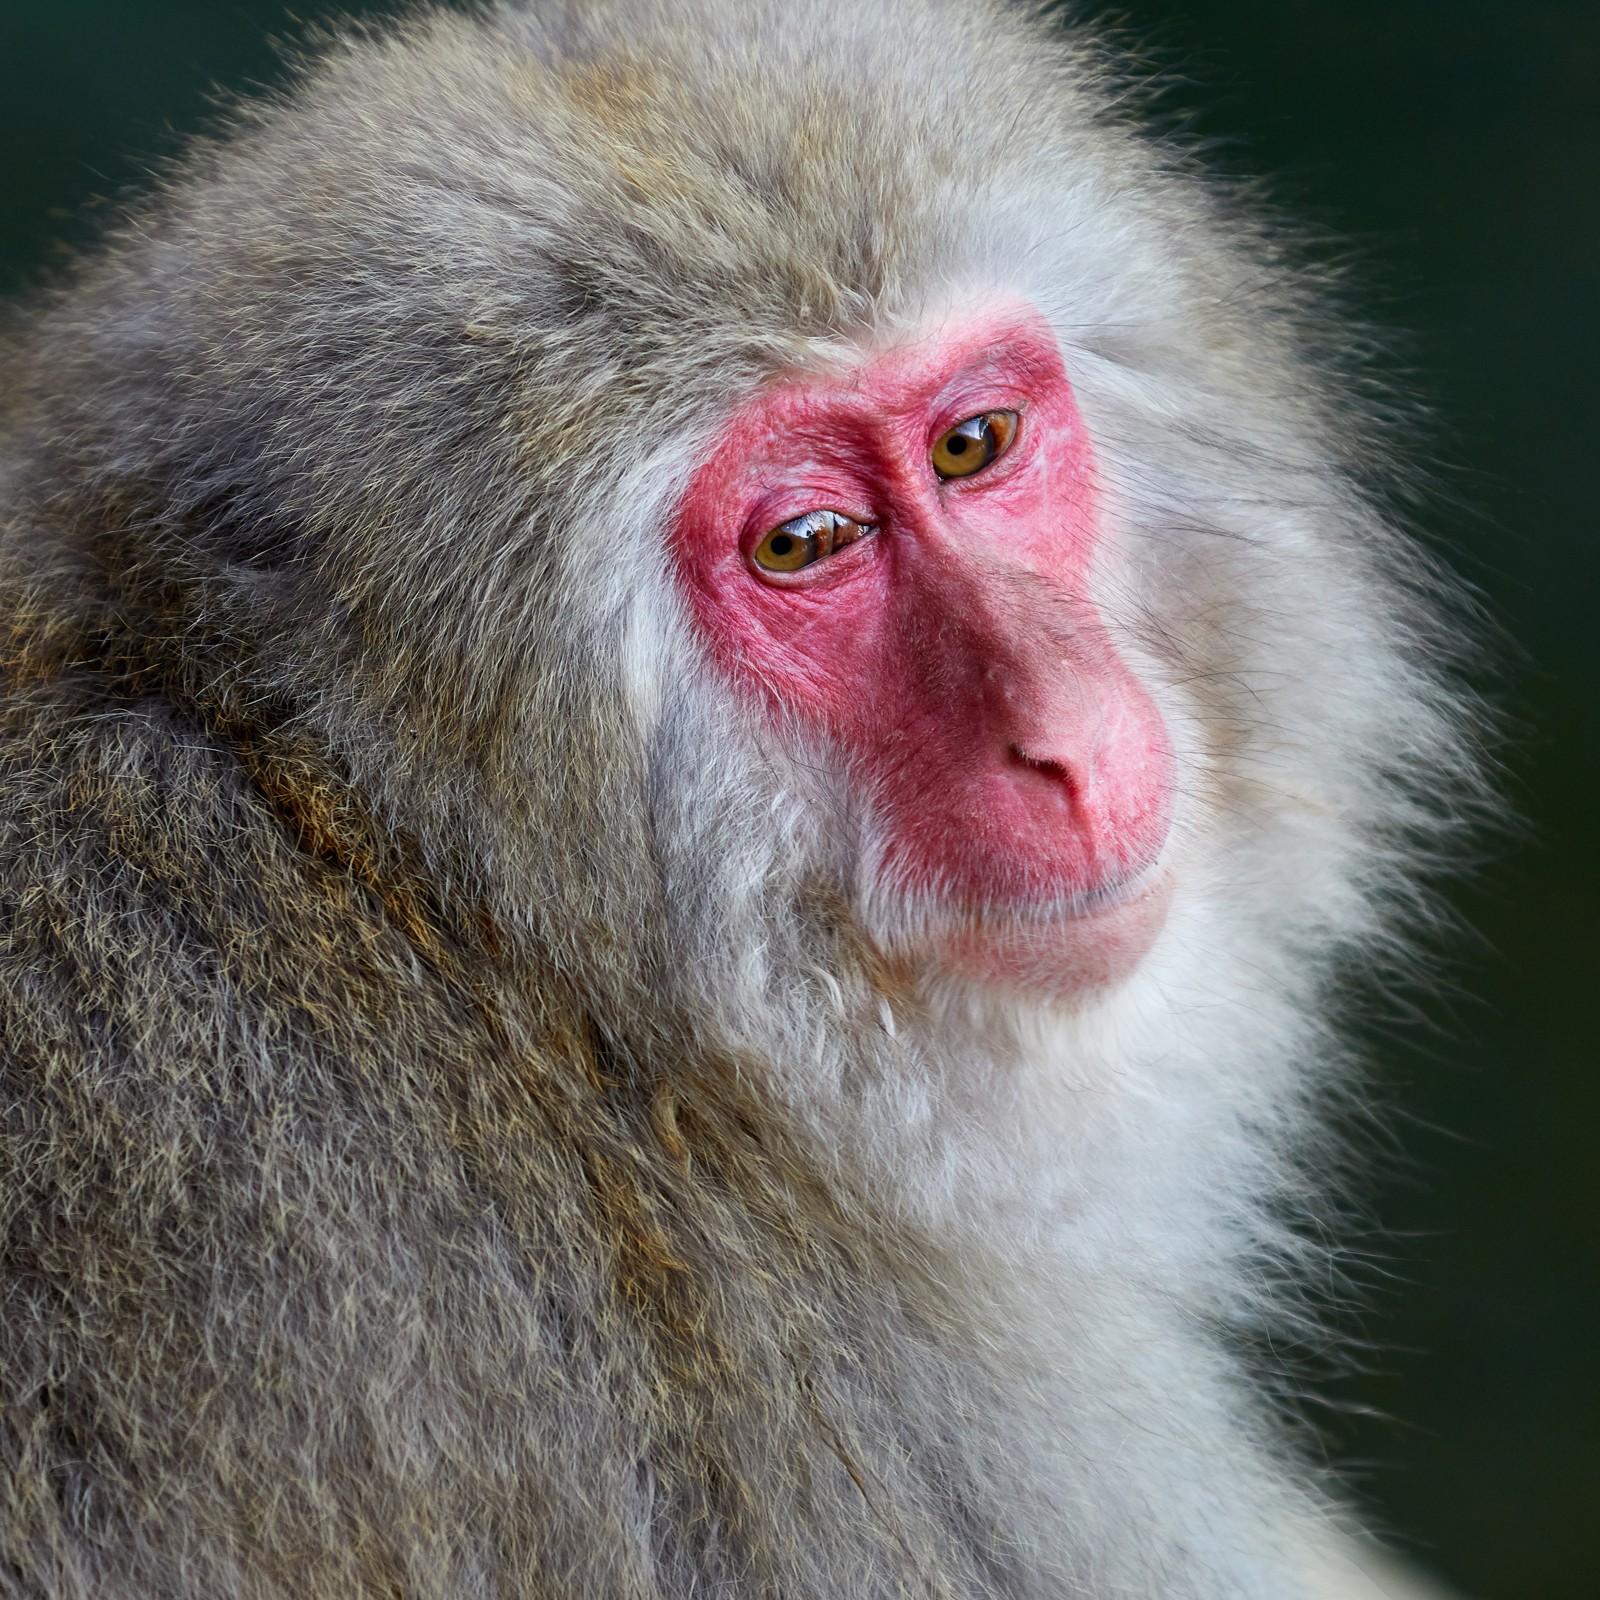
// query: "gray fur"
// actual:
[[453, 1143]]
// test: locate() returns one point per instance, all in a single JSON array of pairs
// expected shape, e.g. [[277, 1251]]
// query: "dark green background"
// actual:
[[1457, 142]]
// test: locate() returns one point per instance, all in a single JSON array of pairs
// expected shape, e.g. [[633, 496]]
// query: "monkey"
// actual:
[[706, 707]]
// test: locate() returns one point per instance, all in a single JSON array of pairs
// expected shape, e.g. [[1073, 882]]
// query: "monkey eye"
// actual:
[[971, 445], [800, 541]]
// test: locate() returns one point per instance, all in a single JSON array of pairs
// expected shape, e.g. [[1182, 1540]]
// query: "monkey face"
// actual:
[[897, 556]]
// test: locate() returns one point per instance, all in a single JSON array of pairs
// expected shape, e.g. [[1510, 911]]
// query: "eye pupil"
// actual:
[[781, 544], [957, 446]]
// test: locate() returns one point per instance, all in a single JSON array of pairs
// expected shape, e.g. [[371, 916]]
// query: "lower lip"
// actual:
[[1065, 955]]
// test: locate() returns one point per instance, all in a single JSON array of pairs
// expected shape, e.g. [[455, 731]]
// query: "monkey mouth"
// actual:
[[1112, 893], [1070, 948], [1055, 948], [1031, 909]]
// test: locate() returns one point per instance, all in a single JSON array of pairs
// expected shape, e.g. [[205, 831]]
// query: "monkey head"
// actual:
[[898, 557], [802, 516]]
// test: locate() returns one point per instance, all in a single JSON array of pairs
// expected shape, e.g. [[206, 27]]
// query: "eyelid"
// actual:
[[980, 403]]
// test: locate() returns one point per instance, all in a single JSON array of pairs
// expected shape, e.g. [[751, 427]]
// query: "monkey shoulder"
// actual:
[[144, 874], [252, 1146]]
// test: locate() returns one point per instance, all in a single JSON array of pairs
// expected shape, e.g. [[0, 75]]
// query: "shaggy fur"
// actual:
[[466, 1130]]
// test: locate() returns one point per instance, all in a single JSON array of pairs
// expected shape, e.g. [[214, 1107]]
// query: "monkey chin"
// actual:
[[1060, 954]]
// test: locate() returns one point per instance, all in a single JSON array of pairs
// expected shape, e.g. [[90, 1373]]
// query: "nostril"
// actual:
[[1046, 767]]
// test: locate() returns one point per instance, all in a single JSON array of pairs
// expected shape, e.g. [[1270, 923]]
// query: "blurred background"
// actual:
[[1456, 144]]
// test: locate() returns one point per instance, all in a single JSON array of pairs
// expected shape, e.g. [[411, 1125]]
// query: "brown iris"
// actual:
[[802, 540], [971, 445]]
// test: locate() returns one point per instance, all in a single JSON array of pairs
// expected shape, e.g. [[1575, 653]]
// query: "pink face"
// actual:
[[898, 556]]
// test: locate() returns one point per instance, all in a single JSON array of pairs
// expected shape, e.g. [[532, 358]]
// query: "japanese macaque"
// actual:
[[703, 701]]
